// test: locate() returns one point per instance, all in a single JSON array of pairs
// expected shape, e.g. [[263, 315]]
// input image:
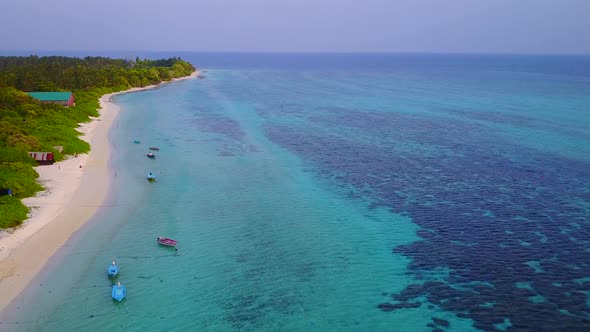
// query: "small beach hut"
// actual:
[[63, 98], [42, 158]]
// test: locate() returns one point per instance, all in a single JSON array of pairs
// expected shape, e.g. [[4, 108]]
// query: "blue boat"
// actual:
[[113, 270], [119, 292], [151, 177], [136, 141]]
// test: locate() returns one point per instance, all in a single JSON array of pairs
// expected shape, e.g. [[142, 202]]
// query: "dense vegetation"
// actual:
[[29, 125]]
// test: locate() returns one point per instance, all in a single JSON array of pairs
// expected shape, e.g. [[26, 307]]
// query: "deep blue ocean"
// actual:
[[340, 192]]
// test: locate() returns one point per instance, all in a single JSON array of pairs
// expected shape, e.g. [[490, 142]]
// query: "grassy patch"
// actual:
[[12, 211]]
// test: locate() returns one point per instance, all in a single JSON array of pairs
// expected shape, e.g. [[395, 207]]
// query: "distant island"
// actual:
[[42, 102]]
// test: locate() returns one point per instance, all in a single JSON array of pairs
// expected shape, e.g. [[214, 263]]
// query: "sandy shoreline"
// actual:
[[72, 197]]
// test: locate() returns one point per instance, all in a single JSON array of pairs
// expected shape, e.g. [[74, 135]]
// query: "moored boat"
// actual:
[[136, 141], [151, 155], [113, 270], [151, 177], [119, 292], [154, 148], [167, 242]]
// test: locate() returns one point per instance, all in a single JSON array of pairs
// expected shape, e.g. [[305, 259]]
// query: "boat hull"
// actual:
[[167, 242], [118, 293], [113, 274]]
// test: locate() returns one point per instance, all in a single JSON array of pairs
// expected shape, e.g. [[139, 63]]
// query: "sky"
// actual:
[[431, 26]]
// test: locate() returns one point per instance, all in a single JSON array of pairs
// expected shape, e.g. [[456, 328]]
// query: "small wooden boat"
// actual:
[[167, 242], [119, 292], [151, 177], [154, 148], [151, 155], [113, 270]]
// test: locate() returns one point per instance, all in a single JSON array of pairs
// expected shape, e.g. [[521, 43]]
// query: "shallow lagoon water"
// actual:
[[425, 197]]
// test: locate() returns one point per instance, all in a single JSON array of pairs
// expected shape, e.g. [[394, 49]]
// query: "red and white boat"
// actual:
[[167, 242]]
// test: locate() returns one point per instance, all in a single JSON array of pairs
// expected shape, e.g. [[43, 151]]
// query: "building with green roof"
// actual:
[[62, 98]]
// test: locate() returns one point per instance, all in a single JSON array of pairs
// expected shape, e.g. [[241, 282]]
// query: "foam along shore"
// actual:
[[75, 189]]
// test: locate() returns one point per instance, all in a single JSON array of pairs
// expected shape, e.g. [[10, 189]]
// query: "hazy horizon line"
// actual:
[[31, 52]]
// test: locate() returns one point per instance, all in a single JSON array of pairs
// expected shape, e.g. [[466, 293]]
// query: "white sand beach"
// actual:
[[75, 190]]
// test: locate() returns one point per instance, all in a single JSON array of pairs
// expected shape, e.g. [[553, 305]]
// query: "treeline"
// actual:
[[35, 73], [29, 125]]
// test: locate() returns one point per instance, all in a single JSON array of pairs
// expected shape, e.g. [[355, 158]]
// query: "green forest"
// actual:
[[26, 124]]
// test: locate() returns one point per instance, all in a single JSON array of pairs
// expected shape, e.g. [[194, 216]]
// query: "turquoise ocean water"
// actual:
[[340, 192]]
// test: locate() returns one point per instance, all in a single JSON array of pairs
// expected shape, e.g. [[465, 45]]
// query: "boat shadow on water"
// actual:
[[113, 280], [120, 305]]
